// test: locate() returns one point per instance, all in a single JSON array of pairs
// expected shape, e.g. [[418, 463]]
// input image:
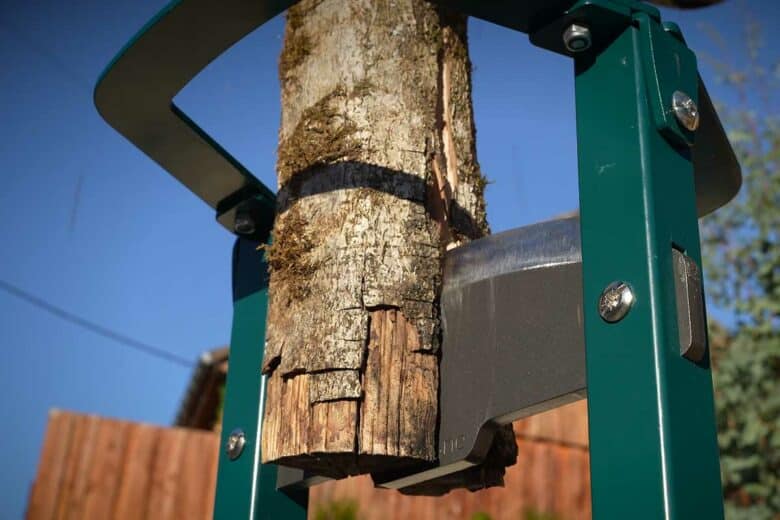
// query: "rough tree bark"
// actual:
[[377, 176]]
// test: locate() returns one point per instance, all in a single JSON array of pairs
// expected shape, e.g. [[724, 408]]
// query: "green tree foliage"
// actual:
[[741, 246], [528, 514], [337, 510], [531, 514]]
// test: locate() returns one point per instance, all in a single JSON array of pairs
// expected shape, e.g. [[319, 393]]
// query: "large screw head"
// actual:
[[243, 224], [615, 301], [235, 443], [685, 110], [576, 38]]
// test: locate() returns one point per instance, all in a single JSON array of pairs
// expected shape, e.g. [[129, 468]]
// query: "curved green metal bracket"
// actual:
[[135, 92]]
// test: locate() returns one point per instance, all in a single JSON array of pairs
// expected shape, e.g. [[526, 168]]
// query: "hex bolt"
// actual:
[[615, 301], [685, 110], [243, 224], [235, 443], [577, 38]]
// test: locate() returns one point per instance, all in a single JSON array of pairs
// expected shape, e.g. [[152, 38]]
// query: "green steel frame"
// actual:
[[651, 416], [642, 185], [246, 488]]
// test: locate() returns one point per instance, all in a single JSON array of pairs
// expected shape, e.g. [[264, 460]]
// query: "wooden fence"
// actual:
[[550, 480], [96, 468]]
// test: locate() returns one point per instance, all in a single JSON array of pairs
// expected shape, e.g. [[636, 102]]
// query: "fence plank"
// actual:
[[196, 472], [75, 480], [96, 468], [105, 469], [165, 476], [101, 468], [551, 476], [133, 494], [566, 425], [43, 498]]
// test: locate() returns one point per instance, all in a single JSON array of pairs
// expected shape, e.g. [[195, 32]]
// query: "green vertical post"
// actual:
[[246, 489], [651, 416]]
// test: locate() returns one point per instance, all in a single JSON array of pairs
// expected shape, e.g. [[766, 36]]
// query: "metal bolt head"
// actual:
[[615, 301], [577, 38], [243, 224], [235, 443], [685, 110]]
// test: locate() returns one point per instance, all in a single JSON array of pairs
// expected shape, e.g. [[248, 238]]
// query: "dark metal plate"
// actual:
[[689, 299], [716, 171]]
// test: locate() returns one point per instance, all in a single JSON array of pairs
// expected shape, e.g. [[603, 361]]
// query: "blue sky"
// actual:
[[91, 225]]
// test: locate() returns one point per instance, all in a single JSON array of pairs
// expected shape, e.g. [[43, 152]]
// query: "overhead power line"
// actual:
[[121, 339]]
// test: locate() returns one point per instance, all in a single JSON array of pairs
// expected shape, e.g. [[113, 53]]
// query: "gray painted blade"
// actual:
[[512, 344]]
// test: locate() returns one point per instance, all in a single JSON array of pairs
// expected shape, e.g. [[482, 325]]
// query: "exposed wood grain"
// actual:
[[395, 370], [400, 383], [294, 424]]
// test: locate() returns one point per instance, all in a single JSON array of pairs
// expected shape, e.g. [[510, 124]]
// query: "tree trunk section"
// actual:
[[378, 177]]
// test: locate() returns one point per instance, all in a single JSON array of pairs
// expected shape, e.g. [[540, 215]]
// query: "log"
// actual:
[[378, 177]]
